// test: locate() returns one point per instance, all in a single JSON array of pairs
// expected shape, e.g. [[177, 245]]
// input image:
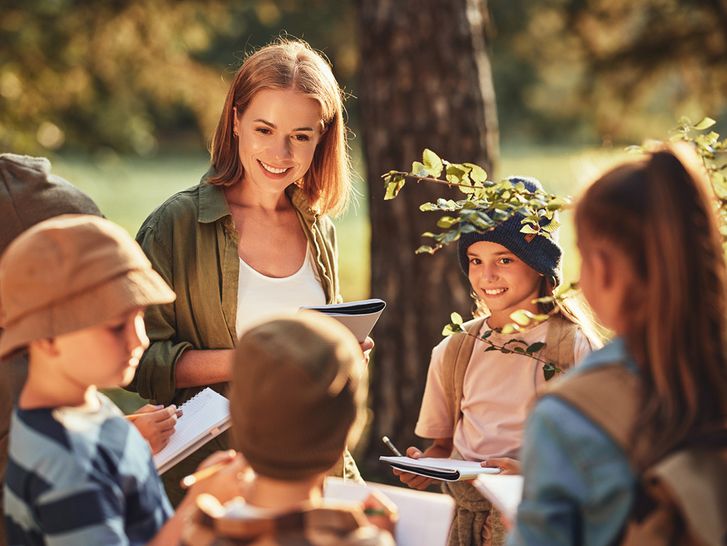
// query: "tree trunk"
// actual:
[[425, 82]]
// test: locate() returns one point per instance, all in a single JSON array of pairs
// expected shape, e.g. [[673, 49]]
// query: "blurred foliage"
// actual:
[[136, 75], [607, 70], [121, 75]]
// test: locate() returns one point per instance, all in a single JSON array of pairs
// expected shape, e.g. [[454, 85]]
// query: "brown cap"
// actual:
[[29, 194], [296, 393], [72, 272]]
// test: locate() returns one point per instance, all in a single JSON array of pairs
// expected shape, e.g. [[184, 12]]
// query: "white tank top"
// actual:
[[260, 297]]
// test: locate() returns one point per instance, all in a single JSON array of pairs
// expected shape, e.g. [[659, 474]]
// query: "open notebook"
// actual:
[[505, 491], [449, 470], [358, 316], [424, 518], [204, 416]]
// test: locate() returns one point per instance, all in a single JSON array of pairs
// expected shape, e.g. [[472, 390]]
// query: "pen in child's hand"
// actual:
[[391, 446]]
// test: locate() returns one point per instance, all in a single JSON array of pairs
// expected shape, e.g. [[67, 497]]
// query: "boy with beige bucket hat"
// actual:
[[29, 194], [72, 291]]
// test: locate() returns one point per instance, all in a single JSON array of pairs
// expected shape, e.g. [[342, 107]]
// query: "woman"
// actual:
[[252, 239]]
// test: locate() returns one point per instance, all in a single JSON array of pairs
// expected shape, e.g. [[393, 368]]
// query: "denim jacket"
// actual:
[[579, 486]]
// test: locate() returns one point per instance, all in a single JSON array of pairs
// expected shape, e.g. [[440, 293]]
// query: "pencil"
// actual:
[[189, 481], [391, 446]]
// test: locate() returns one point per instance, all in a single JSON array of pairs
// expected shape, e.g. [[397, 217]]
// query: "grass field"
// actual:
[[127, 190]]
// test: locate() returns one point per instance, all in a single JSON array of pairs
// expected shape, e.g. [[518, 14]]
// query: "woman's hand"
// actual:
[[366, 346], [156, 424], [505, 464]]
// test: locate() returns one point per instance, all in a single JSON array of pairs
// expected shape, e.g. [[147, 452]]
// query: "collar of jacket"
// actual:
[[213, 205]]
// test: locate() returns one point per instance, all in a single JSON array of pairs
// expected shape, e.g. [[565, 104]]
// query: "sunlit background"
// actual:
[[123, 96]]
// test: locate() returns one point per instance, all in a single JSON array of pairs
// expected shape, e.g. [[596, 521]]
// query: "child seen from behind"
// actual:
[[640, 421]]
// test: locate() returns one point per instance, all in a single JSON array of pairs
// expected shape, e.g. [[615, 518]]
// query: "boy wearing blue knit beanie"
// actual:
[[476, 401]]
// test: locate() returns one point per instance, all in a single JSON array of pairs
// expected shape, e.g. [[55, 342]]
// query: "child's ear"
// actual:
[[47, 346]]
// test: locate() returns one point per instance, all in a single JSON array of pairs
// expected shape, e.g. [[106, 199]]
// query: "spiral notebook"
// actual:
[[204, 416], [448, 470]]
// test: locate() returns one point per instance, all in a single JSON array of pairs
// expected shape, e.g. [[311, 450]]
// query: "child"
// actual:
[[29, 194], [653, 271], [296, 396], [475, 402], [254, 237], [72, 291]]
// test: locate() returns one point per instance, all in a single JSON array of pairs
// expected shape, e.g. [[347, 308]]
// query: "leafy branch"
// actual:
[[517, 346], [486, 203], [711, 151]]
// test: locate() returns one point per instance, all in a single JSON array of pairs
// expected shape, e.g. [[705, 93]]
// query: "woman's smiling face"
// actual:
[[277, 137]]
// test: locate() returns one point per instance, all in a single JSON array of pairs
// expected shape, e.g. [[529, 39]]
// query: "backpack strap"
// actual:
[[560, 342], [608, 396], [456, 359]]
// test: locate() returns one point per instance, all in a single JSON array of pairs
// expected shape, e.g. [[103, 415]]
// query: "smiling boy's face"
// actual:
[[502, 280]]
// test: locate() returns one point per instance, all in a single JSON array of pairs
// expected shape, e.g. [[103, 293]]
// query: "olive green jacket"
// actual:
[[191, 241]]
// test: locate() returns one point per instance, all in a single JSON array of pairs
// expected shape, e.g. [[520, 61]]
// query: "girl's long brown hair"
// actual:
[[659, 214], [290, 64]]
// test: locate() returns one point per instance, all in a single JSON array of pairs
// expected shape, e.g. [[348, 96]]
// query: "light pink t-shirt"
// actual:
[[498, 392]]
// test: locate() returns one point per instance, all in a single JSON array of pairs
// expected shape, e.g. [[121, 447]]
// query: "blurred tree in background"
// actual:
[[439, 86], [607, 70], [135, 75]]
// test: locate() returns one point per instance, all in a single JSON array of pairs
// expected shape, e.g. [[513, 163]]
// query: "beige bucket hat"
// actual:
[[69, 273]]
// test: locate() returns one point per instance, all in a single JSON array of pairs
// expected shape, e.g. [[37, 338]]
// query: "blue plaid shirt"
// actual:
[[79, 477], [578, 483]]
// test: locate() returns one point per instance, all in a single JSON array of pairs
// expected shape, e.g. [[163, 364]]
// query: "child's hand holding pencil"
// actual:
[[221, 475]]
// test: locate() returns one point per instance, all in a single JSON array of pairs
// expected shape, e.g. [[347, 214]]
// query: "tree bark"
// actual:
[[425, 82]]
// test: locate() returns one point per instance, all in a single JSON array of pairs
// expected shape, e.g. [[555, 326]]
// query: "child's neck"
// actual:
[[282, 496]]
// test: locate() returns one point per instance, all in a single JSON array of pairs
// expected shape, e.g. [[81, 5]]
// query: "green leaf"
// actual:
[[549, 371], [433, 163], [477, 173], [393, 189], [706, 123], [446, 222], [456, 318], [491, 348], [426, 249], [521, 317], [486, 334], [535, 347], [510, 328], [418, 169], [529, 230]]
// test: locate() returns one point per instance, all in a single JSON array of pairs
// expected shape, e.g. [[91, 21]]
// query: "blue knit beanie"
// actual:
[[541, 253]]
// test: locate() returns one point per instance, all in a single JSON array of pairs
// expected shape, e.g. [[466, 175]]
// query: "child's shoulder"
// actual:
[[62, 444]]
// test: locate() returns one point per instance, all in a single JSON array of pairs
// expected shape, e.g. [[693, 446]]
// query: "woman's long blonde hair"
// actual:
[[290, 64], [658, 212]]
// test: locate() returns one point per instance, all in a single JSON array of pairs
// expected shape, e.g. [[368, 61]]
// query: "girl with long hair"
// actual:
[[653, 271]]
